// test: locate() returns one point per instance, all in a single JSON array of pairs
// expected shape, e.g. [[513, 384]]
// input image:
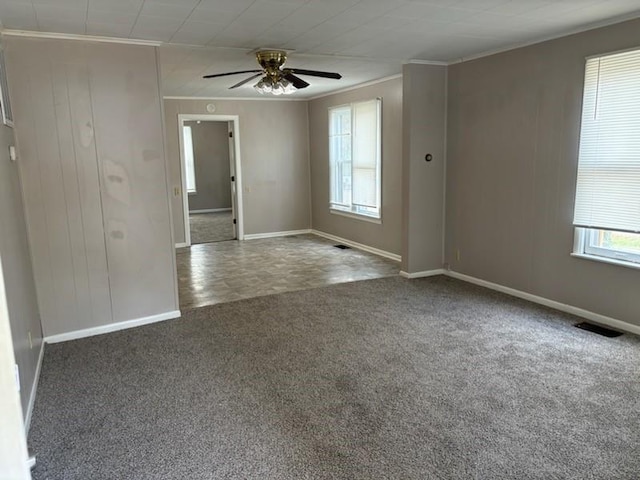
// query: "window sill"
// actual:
[[356, 216], [611, 261]]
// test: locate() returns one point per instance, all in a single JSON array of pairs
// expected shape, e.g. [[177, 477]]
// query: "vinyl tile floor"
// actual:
[[226, 271]]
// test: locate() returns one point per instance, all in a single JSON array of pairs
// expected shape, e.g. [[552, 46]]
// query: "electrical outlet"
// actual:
[[457, 254], [30, 340], [176, 191]]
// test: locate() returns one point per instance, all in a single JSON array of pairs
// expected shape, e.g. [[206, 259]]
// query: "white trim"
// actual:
[[426, 273], [515, 46], [356, 216], [243, 99], [182, 117], [181, 245], [210, 210], [359, 246], [592, 316], [111, 327], [356, 87], [86, 38], [427, 62], [34, 388], [184, 192], [256, 236], [612, 261]]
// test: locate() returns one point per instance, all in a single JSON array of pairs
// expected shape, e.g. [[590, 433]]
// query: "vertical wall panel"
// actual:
[[34, 202], [86, 161], [89, 126], [51, 183], [128, 123]]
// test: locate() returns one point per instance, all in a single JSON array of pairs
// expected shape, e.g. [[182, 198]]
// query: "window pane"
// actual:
[[354, 158], [608, 181], [340, 156], [366, 153], [623, 241], [189, 160]]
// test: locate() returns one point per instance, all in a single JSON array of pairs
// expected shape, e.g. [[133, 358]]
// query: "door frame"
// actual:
[[235, 167]]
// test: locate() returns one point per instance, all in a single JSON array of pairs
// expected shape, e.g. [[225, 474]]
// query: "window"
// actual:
[[190, 167], [354, 158], [607, 207]]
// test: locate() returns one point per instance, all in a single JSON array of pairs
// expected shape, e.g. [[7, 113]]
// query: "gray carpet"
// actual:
[[211, 227], [381, 379]]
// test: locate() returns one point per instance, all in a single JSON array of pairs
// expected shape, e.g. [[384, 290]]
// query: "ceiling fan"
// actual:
[[275, 79]]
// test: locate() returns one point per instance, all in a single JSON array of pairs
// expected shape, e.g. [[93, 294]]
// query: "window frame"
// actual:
[[585, 234], [585, 247], [359, 212]]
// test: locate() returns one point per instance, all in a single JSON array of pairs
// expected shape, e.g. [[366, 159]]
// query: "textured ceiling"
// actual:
[[362, 39]]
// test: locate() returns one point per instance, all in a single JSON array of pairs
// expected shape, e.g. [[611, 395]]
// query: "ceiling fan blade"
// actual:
[[230, 73], [246, 80], [296, 81], [315, 73]]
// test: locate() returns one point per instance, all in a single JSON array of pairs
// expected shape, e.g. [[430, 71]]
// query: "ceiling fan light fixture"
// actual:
[[264, 85], [288, 86], [280, 87]]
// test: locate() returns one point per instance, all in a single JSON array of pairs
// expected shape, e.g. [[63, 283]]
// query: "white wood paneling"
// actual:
[[128, 124], [89, 126]]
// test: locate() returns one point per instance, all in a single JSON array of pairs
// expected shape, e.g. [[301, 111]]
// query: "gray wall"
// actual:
[[89, 130], [513, 132], [424, 120], [274, 152], [213, 172], [385, 236], [22, 302]]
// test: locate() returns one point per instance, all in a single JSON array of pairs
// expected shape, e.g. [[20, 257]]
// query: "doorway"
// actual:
[[210, 162]]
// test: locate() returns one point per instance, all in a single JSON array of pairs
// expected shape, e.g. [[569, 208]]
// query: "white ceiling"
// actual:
[[362, 39]]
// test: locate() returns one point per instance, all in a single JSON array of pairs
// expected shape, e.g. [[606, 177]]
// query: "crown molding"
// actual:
[[426, 62], [86, 38], [515, 46], [358, 86], [241, 99]]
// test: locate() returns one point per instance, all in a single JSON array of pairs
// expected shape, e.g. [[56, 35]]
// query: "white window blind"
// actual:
[[189, 160], [355, 157], [608, 184], [366, 154]]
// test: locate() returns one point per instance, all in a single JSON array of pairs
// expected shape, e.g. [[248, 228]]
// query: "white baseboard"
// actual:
[[256, 236], [182, 245], [211, 210], [359, 246], [592, 316], [112, 327], [34, 388], [426, 273]]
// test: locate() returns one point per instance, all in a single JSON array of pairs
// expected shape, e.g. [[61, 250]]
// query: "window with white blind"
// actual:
[[189, 160], [607, 204], [355, 158]]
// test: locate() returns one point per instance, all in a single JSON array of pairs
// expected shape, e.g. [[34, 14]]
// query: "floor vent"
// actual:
[[606, 332], [342, 247]]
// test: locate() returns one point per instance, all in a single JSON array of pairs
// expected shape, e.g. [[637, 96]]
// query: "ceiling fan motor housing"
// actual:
[[271, 61]]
